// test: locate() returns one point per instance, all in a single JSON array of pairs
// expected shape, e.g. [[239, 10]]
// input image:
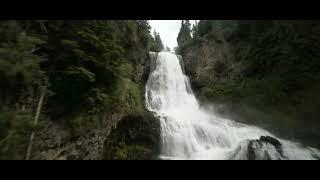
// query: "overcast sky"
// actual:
[[168, 30]]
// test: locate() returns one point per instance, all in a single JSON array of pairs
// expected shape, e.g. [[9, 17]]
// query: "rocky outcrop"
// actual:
[[55, 140], [181, 63], [148, 66], [240, 73], [209, 61], [136, 137], [265, 148], [273, 141]]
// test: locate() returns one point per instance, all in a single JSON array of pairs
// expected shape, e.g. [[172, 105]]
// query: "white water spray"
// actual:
[[187, 132]]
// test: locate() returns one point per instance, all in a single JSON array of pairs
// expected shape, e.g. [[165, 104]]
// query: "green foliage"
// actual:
[[22, 79], [144, 32], [157, 45], [88, 65], [277, 58], [14, 133], [19, 68], [132, 152], [204, 27], [272, 75], [287, 53], [20, 73], [219, 68], [136, 137], [98, 101], [134, 97], [88, 60], [195, 31], [184, 36]]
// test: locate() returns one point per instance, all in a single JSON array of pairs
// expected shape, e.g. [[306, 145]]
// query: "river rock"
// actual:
[[272, 141], [265, 148]]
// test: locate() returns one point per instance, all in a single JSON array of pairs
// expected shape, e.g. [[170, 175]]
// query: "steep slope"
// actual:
[[260, 72], [94, 73]]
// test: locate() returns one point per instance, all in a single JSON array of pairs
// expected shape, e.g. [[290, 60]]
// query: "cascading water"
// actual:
[[187, 132]]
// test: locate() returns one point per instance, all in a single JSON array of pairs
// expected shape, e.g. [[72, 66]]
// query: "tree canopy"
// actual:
[[88, 66]]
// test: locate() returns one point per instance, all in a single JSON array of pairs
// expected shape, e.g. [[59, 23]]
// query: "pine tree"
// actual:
[[195, 31], [87, 66], [184, 36], [158, 42], [21, 80]]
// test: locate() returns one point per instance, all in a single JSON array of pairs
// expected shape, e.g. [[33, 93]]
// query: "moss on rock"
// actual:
[[136, 137]]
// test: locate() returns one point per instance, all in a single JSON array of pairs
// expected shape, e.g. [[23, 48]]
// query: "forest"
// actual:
[[84, 69], [258, 68], [113, 90]]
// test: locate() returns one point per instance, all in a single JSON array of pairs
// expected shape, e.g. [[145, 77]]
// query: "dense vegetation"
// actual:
[[91, 74], [156, 45], [184, 36], [137, 138], [265, 71], [89, 69]]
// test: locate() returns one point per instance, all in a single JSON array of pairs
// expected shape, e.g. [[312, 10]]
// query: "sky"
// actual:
[[168, 30]]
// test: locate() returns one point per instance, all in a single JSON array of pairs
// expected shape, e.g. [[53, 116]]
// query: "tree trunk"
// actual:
[[36, 119]]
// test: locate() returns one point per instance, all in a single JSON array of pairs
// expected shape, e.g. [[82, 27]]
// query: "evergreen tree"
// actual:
[[195, 31], [177, 50], [184, 36], [87, 65], [21, 79], [158, 41]]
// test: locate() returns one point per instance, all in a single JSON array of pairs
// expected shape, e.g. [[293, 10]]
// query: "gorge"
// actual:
[[189, 132], [115, 90]]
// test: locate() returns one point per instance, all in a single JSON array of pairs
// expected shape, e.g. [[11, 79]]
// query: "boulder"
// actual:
[[136, 137], [265, 148], [272, 141]]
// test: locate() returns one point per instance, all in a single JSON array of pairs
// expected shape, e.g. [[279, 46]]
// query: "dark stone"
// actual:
[[219, 41], [272, 141], [255, 150], [315, 156], [146, 70], [251, 151], [136, 137], [149, 66], [72, 157], [256, 145]]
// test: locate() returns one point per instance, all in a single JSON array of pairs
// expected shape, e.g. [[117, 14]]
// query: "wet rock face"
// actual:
[[136, 137], [56, 142], [149, 66], [258, 150], [265, 148], [273, 141]]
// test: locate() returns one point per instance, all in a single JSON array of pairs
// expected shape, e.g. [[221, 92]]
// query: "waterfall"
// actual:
[[188, 132]]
